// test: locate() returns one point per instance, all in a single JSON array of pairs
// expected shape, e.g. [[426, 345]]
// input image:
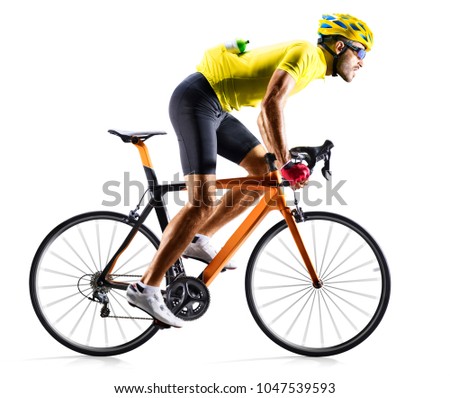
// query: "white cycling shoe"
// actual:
[[201, 249], [150, 300]]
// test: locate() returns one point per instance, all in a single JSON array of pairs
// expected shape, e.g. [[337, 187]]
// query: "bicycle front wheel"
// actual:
[[318, 321], [63, 281]]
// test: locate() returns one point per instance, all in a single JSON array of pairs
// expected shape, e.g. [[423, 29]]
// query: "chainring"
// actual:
[[188, 298]]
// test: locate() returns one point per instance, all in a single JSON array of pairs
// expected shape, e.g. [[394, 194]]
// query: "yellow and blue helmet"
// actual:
[[348, 26]]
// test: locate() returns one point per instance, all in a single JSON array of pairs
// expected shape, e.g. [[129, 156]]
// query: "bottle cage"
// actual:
[[312, 155]]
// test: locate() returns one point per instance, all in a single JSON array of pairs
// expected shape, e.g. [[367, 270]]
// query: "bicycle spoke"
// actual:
[[325, 292], [62, 299], [87, 247], [364, 264], [66, 313], [132, 257], [265, 287], [60, 286], [138, 268], [51, 271], [111, 241], [338, 250], [371, 296], [333, 321], [283, 297], [344, 261], [357, 280], [127, 313], [105, 333], [308, 323], [91, 328], [78, 321], [117, 322], [296, 270], [358, 308], [292, 306], [311, 293], [321, 327], [59, 257], [330, 230], [283, 275], [295, 257], [99, 251]]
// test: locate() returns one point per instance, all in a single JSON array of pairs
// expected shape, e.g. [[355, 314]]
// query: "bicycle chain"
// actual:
[[128, 317]]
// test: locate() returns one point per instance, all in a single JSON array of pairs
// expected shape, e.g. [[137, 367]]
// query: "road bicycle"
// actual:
[[316, 283]]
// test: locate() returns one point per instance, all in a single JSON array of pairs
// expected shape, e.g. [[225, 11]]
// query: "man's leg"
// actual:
[[182, 228], [236, 201], [146, 294]]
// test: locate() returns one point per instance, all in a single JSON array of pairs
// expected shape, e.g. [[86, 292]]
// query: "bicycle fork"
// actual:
[[292, 217]]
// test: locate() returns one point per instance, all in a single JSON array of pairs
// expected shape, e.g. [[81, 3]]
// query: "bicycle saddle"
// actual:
[[313, 154], [129, 136]]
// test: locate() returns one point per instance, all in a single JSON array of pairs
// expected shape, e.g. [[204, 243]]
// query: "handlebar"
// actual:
[[309, 154], [312, 155]]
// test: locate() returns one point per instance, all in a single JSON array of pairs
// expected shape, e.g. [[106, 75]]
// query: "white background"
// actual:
[[71, 70]]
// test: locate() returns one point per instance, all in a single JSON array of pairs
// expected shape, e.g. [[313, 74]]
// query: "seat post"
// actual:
[[146, 162], [143, 152]]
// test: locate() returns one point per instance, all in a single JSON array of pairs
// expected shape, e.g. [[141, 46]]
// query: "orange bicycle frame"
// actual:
[[272, 199]]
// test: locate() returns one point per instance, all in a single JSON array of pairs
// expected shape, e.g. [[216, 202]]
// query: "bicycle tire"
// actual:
[[325, 321], [62, 279]]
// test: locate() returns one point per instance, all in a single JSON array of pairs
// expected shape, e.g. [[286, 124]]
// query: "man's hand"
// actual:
[[296, 174]]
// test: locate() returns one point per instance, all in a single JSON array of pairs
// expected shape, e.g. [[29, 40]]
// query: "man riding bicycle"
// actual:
[[200, 114]]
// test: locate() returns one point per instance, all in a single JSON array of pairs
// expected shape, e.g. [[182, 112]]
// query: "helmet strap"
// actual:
[[335, 56]]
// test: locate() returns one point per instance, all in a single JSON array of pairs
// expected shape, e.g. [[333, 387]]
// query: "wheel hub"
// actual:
[[318, 284]]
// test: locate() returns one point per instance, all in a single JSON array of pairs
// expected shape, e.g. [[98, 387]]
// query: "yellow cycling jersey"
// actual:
[[242, 79]]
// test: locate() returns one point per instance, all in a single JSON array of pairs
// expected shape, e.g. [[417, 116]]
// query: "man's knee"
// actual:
[[202, 193], [255, 161]]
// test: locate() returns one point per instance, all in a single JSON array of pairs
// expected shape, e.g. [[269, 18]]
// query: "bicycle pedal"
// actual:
[[161, 325]]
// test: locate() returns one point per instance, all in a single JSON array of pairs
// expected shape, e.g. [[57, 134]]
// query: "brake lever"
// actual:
[[326, 172]]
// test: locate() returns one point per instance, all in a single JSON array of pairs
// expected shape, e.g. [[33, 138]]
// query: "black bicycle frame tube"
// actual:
[[156, 202]]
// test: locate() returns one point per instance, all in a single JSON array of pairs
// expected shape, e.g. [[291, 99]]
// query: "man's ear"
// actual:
[[339, 46]]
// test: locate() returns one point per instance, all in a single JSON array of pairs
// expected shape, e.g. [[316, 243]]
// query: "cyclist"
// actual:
[[200, 113]]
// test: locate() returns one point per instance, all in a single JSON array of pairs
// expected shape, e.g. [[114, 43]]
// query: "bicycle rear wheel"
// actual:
[[63, 279], [328, 320]]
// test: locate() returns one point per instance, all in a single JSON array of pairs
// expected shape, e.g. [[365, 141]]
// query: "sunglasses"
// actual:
[[360, 52]]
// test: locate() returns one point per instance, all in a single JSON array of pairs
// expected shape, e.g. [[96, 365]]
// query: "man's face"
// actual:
[[348, 63]]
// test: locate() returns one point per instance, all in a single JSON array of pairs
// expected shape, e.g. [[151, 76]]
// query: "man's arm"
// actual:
[[271, 119]]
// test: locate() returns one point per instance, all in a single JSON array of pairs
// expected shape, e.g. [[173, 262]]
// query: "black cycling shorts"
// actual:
[[204, 129]]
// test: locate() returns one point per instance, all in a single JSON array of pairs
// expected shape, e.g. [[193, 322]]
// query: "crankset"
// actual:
[[187, 297]]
